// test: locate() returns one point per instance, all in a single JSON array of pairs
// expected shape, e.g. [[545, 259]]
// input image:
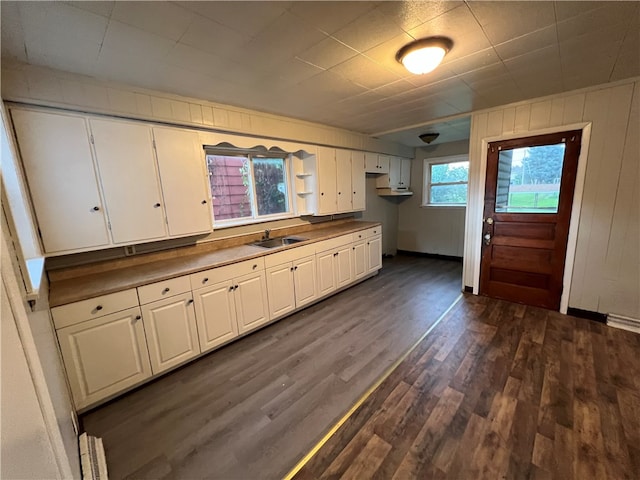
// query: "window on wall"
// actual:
[[446, 181], [248, 187]]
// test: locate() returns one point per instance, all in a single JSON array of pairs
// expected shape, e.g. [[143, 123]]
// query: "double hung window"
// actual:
[[446, 181]]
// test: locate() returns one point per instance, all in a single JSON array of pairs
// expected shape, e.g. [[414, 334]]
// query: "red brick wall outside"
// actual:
[[230, 195]]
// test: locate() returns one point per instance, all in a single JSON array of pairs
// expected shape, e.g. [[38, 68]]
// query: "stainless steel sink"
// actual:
[[278, 242]]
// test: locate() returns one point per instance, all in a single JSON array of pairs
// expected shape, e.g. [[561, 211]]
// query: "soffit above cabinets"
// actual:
[[333, 62]]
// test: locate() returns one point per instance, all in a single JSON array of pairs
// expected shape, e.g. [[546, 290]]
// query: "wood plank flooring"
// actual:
[[253, 408], [498, 390]]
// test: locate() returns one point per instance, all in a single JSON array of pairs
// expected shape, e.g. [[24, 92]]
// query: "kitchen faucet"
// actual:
[[266, 234]]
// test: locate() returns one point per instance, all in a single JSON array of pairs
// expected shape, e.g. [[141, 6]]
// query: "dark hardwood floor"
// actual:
[[253, 408], [498, 390]]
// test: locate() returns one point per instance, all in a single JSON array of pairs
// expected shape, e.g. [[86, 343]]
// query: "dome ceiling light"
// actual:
[[424, 55]]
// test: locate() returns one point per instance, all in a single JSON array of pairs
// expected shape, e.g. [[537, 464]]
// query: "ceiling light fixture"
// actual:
[[428, 137], [424, 55]]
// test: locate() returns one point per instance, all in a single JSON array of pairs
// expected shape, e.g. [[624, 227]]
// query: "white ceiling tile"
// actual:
[[566, 9], [213, 37], [365, 72], [532, 41], [133, 42], [394, 88], [328, 53], [628, 61], [331, 17], [98, 7], [369, 30], [385, 54], [12, 41], [162, 18], [194, 60], [461, 26], [502, 21], [613, 14], [331, 85], [410, 14], [480, 59]]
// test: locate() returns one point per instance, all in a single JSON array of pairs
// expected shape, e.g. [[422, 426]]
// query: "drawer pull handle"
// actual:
[[95, 209], [205, 280], [99, 307], [138, 317], [166, 290]]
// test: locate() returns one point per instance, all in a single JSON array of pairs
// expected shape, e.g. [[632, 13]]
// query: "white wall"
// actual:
[[606, 273], [385, 211], [438, 230]]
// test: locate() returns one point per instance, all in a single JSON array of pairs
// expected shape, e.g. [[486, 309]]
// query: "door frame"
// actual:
[[473, 227]]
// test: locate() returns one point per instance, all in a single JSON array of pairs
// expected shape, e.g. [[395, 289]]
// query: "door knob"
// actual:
[[487, 238]]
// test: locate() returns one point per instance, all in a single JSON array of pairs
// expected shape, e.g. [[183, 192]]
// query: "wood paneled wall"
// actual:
[[606, 270], [45, 86], [438, 230]]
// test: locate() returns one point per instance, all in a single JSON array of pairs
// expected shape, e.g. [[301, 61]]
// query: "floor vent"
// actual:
[[626, 323], [94, 463]]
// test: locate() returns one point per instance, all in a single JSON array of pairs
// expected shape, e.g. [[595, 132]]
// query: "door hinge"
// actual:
[[91, 139], [109, 225]]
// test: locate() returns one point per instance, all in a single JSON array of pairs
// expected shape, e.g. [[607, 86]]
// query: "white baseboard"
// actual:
[[92, 458], [625, 323]]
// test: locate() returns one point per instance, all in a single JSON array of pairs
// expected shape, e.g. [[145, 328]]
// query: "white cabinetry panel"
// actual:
[[170, 327], [305, 280], [358, 181], [280, 287], [215, 314], [343, 180], [252, 307], [327, 171], [344, 269], [59, 167], [374, 254], [326, 273], [124, 152], [105, 355], [184, 181], [359, 260]]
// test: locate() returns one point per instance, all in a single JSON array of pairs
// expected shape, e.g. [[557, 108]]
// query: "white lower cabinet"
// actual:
[[172, 335], [305, 280], [291, 285], [105, 355], [359, 259], [344, 269], [215, 314], [326, 272], [250, 294], [374, 254]]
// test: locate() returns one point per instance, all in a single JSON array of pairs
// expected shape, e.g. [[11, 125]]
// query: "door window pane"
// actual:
[[529, 179], [270, 183]]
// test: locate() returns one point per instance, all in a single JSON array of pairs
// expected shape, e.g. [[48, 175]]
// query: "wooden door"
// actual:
[[62, 180], [172, 336], [359, 260], [326, 272], [344, 269], [280, 289], [374, 254], [528, 200], [215, 314], [184, 180], [304, 277], [343, 177], [129, 180], [327, 188], [105, 355], [252, 308], [358, 181]]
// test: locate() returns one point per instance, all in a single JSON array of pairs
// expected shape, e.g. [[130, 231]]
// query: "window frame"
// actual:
[[426, 181], [254, 217]]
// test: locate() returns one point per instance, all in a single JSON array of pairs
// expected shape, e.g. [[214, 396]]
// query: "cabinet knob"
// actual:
[[95, 209], [138, 317], [166, 290], [354, 193], [99, 307], [190, 301], [235, 287], [205, 280], [255, 266], [339, 193], [353, 248], [321, 193], [204, 202], [156, 205], [295, 268], [292, 269], [231, 288], [335, 254]]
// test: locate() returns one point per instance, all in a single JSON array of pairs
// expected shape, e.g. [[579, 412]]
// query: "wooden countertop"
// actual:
[[106, 281]]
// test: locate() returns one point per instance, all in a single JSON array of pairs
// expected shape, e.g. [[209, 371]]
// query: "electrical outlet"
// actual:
[[74, 422]]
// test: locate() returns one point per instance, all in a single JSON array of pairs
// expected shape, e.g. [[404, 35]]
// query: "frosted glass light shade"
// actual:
[[423, 56]]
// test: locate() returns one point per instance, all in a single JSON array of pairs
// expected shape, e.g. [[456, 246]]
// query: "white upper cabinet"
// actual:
[[60, 171], [184, 181], [405, 173], [399, 176], [358, 181], [124, 151], [343, 181], [375, 163], [327, 188]]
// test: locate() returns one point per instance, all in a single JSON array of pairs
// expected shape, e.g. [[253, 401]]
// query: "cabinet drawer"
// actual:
[[73, 313], [289, 255], [333, 243], [372, 232], [221, 274], [358, 236], [168, 288]]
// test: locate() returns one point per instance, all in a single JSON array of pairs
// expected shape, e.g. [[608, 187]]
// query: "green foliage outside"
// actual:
[[449, 173], [269, 183], [542, 200], [541, 164]]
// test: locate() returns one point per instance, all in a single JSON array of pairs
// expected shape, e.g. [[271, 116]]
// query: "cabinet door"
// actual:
[[383, 164], [252, 308], [344, 269], [395, 165], [184, 181], [127, 165], [305, 280], [215, 314], [327, 193], [280, 289], [172, 336], [374, 254], [359, 259], [405, 173], [326, 272], [358, 181], [59, 167], [105, 355], [371, 162], [343, 177]]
